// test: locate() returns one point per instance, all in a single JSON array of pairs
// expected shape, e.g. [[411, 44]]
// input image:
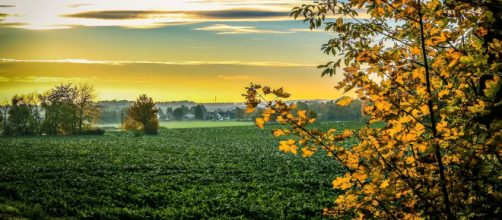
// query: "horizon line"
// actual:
[[180, 63]]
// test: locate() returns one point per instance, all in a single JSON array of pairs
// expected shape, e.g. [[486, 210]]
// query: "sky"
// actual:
[[198, 50]]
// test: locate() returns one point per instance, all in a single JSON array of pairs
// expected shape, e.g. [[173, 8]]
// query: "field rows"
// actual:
[[180, 173]]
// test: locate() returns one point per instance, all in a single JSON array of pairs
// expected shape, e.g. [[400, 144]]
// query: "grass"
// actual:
[[191, 124], [227, 172]]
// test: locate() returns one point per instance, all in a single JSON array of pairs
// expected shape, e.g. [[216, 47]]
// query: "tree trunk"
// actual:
[[443, 184]]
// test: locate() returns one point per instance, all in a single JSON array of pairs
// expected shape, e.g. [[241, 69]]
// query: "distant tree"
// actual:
[[61, 115], [303, 106], [191, 110], [23, 119], [33, 102], [162, 115], [1, 120], [86, 106], [142, 116], [185, 109], [169, 113], [200, 112], [4, 107], [178, 114], [239, 113]]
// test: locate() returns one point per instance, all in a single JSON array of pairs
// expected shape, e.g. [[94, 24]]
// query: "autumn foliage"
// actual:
[[142, 116], [429, 73]]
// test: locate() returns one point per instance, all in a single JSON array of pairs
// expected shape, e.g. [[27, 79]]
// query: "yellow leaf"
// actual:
[[441, 126], [421, 147], [360, 176], [294, 149], [415, 51], [281, 120], [410, 160], [455, 57], [342, 182], [344, 101], [383, 105], [288, 146], [424, 109], [347, 133], [249, 109], [260, 122], [385, 184], [351, 69], [369, 188], [302, 114], [278, 132], [307, 152], [443, 93]]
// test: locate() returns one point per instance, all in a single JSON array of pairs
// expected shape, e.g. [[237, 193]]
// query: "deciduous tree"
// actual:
[[200, 112], [432, 70], [61, 115], [178, 114], [142, 116], [87, 109], [23, 116]]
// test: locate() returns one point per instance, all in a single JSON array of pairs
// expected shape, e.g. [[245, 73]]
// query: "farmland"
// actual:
[[187, 173], [188, 124]]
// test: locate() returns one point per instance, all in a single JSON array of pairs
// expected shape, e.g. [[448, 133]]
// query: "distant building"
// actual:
[[214, 116], [189, 116]]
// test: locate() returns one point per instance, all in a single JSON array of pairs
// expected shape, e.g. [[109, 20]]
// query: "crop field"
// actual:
[[228, 172], [190, 124]]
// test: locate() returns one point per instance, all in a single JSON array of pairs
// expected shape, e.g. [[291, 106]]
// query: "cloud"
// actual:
[[234, 14], [54, 14], [78, 5], [307, 30], [241, 14], [41, 79], [234, 77], [228, 29], [11, 25], [116, 15], [181, 63]]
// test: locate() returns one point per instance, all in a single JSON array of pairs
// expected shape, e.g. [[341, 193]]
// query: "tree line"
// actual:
[[72, 109], [325, 111], [64, 109]]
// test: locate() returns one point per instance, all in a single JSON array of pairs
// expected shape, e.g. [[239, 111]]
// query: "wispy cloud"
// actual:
[[117, 15], [307, 30], [235, 14], [122, 62], [229, 29], [49, 14], [234, 77], [42, 79], [78, 5]]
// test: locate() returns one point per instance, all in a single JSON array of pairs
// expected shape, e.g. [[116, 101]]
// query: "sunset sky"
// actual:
[[171, 50]]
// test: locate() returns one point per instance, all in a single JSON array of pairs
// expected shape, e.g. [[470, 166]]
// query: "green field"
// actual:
[[230, 172], [190, 124]]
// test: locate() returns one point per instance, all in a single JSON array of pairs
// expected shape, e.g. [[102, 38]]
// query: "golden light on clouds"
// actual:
[[171, 50], [199, 82], [58, 14]]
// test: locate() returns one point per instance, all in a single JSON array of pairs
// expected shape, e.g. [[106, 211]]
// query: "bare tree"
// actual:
[[87, 109]]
